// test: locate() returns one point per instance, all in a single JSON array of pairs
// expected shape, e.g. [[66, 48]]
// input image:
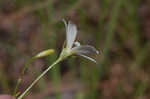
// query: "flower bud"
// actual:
[[44, 53]]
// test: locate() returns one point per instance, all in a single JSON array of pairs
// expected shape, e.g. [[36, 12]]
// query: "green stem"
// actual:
[[15, 94], [38, 78]]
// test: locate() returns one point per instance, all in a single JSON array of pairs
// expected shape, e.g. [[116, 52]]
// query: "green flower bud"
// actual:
[[44, 53]]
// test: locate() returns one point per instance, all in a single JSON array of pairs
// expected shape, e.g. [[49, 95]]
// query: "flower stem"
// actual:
[[38, 78], [15, 94]]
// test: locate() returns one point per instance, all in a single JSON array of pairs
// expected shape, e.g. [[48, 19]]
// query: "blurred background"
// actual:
[[120, 29]]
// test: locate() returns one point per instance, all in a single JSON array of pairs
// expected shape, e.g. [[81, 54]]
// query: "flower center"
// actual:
[[65, 53]]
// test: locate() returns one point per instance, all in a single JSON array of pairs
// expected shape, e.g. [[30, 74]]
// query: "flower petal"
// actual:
[[89, 58], [71, 32], [65, 23], [85, 49]]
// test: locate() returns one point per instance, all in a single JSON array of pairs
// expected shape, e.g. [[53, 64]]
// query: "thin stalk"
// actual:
[[38, 78], [15, 94], [39, 55]]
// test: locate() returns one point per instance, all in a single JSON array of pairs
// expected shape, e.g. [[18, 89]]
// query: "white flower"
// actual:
[[71, 32]]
